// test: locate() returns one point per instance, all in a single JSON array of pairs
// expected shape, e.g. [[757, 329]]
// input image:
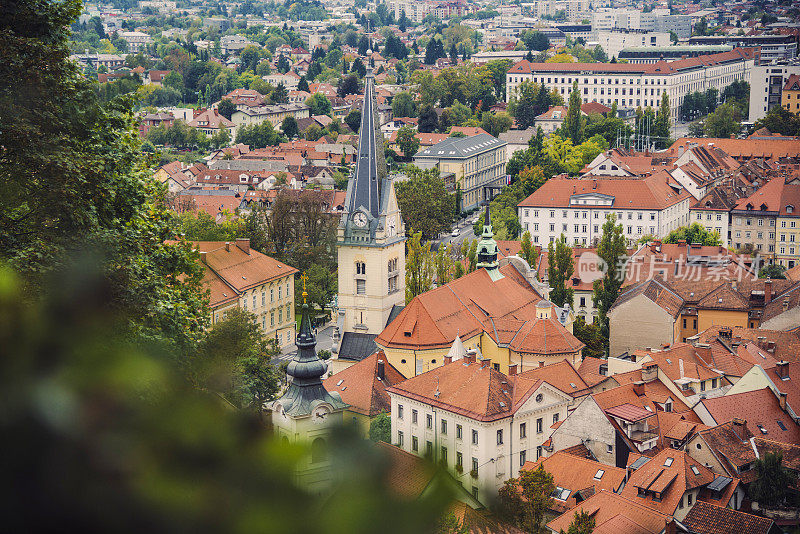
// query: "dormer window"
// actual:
[[789, 209]]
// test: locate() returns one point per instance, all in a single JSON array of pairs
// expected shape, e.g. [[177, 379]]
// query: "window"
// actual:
[[400, 438], [523, 431], [279, 292], [475, 466], [555, 418], [254, 300], [689, 498], [272, 318], [263, 298], [668, 462], [399, 411], [414, 415], [539, 426], [319, 452], [474, 437], [361, 268], [444, 426], [599, 474], [429, 449], [458, 431], [361, 287], [702, 385], [521, 458], [429, 421], [609, 449], [443, 456], [414, 443], [459, 460], [500, 437]]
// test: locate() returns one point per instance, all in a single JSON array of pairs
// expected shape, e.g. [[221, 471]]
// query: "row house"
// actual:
[[631, 85]]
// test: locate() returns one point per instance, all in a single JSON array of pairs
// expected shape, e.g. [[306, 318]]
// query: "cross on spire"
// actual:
[[304, 278]]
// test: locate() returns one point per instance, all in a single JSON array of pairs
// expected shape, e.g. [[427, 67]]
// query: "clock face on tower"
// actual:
[[360, 219], [319, 415]]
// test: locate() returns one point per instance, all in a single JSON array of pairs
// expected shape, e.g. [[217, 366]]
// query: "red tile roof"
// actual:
[[472, 389], [744, 149], [712, 519], [561, 375], [652, 192], [615, 514], [761, 410], [629, 412], [361, 387]]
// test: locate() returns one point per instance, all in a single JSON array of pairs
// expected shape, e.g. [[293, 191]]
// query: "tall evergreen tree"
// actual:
[[560, 267], [420, 271], [611, 250], [662, 123], [573, 122]]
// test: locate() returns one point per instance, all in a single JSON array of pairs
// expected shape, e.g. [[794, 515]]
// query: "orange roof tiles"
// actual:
[[615, 514], [577, 474], [472, 389], [651, 192], [361, 386], [561, 375], [744, 149], [761, 410], [712, 519], [670, 473]]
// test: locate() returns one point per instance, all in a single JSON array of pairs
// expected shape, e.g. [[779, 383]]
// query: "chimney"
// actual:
[[470, 357], [228, 246], [649, 372], [638, 388], [767, 291], [670, 527], [486, 363], [782, 368], [541, 364], [381, 370], [782, 400], [244, 244], [204, 257], [512, 369], [448, 359], [739, 427], [681, 242], [785, 304]]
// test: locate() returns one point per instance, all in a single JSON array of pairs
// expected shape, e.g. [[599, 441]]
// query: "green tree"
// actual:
[[662, 126], [407, 141], [560, 267], [403, 105], [472, 255], [420, 270], [526, 104], [319, 104], [724, 121], [321, 286], [582, 523], [444, 264], [380, 428], [424, 201], [589, 334], [611, 251], [524, 501], [574, 121], [535, 40], [302, 85], [774, 271], [353, 120], [495, 124], [348, 85], [774, 482], [780, 120], [280, 95], [234, 361], [694, 233], [527, 250], [289, 127], [220, 139]]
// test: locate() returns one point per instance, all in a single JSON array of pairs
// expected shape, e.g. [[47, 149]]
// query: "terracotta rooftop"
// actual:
[[651, 192], [581, 476], [681, 360], [629, 412], [669, 474], [615, 514], [712, 519], [761, 410], [362, 387], [730, 443], [472, 389], [561, 375], [745, 149]]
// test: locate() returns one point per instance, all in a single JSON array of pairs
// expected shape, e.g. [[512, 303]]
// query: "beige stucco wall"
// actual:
[[637, 324]]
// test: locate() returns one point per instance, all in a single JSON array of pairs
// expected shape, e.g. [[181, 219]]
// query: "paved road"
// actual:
[[464, 232], [324, 342]]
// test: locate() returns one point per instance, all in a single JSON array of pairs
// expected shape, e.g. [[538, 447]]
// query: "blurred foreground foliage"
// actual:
[[104, 433]]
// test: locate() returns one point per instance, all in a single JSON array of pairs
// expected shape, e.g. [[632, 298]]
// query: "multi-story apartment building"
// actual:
[[787, 232], [659, 20], [478, 162], [766, 86], [136, 40], [245, 116], [654, 54], [478, 423], [578, 207], [771, 47], [633, 85], [240, 277], [615, 40]]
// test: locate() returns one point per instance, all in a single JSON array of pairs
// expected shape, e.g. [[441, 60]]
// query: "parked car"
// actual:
[[454, 233]]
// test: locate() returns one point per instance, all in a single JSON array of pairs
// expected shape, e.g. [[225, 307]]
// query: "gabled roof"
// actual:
[[681, 360], [614, 513], [362, 387], [730, 443], [577, 474], [712, 519], [761, 410], [472, 389], [793, 83], [656, 291], [670, 473], [461, 147], [561, 375]]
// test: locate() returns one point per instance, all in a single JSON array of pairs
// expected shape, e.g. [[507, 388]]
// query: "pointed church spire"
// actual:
[[306, 368], [487, 248]]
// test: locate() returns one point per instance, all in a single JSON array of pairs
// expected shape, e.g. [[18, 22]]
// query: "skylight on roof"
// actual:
[[668, 461], [599, 474], [695, 470], [669, 361], [762, 429], [781, 425], [339, 383]]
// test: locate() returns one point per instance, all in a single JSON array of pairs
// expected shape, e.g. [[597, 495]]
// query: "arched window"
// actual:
[[361, 267], [319, 451]]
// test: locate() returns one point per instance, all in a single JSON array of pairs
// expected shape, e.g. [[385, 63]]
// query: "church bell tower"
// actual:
[[371, 235]]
